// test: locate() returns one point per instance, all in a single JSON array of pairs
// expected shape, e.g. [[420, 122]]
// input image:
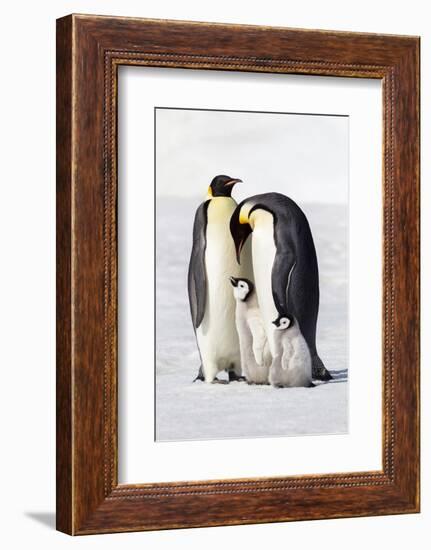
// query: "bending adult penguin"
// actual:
[[284, 264], [212, 262]]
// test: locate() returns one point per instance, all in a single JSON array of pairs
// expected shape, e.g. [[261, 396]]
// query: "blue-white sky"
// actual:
[[303, 156]]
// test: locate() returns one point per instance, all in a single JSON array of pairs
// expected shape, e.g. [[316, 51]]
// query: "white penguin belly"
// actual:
[[263, 253], [217, 336]]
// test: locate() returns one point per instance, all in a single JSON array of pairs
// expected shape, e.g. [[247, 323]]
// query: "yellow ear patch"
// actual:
[[243, 214], [209, 192]]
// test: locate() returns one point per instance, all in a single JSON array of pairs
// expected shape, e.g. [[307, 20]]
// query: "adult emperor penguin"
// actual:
[[284, 264], [212, 262]]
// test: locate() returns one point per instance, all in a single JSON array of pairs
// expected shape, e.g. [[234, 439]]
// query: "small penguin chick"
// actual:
[[283, 323], [255, 355], [291, 365]]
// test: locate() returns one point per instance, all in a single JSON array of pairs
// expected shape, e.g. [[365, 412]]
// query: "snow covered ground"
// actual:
[[200, 411]]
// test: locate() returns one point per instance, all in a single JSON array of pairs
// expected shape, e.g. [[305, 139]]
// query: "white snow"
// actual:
[[186, 410]]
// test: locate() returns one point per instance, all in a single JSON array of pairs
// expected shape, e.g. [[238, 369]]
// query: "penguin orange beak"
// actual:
[[232, 182], [239, 232]]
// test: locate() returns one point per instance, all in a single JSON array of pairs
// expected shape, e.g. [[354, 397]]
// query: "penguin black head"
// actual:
[[283, 322], [239, 230], [242, 288], [221, 186]]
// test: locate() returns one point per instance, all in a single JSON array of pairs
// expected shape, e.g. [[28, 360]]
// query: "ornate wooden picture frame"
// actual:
[[89, 51]]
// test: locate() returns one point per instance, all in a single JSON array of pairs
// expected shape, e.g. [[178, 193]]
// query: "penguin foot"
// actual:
[[234, 377], [322, 373], [319, 371], [200, 376]]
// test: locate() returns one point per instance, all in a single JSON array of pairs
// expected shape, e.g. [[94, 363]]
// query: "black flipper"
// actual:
[[284, 265], [197, 280]]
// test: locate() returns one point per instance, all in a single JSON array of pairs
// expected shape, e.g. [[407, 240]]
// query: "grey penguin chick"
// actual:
[[291, 366], [254, 348]]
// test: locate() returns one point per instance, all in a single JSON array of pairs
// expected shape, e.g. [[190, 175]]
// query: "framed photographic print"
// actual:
[[237, 274]]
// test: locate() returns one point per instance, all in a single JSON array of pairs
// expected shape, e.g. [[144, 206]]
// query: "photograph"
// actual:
[[251, 274], [214, 232]]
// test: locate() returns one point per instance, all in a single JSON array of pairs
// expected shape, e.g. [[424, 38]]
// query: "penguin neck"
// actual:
[[257, 217], [251, 300], [220, 208], [260, 217], [248, 304], [244, 214]]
